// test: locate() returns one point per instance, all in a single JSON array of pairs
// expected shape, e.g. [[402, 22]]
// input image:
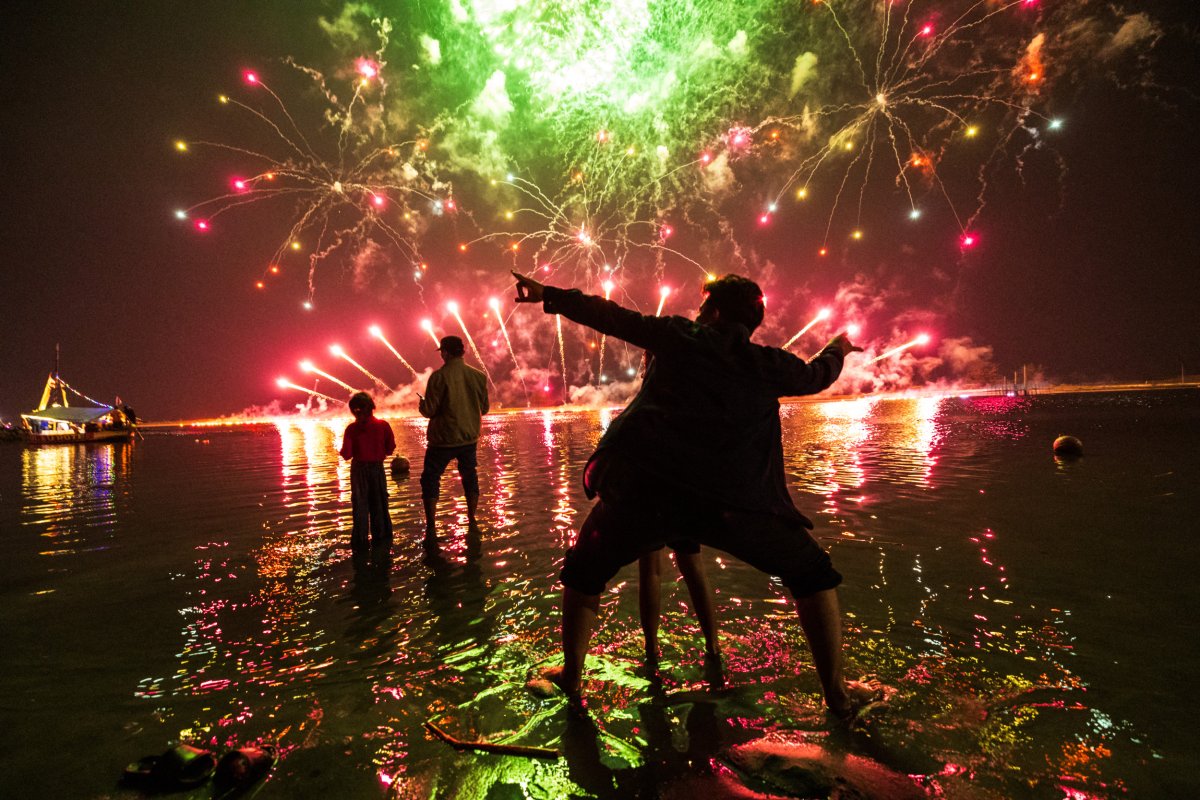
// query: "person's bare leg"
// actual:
[[701, 593], [821, 619], [649, 579], [579, 612]]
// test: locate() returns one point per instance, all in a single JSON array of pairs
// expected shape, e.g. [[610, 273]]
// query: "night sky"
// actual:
[[1103, 287]]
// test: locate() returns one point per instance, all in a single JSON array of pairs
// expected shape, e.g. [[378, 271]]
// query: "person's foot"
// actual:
[[381, 557], [854, 698], [432, 557], [474, 548], [549, 682]]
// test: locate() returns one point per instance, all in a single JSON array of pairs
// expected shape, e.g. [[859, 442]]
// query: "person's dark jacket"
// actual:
[[706, 420]]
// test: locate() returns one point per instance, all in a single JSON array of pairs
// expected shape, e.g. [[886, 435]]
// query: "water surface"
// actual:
[[1031, 614]]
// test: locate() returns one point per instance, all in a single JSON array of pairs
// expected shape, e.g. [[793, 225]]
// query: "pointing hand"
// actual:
[[528, 290], [843, 342]]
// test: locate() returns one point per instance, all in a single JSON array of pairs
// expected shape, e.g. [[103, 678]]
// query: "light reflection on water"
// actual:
[[964, 591], [70, 493]]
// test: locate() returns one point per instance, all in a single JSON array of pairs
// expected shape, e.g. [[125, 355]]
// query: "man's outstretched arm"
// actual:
[[597, 313], [799, 378]]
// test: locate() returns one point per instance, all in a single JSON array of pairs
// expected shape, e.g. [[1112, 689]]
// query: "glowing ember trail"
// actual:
[[340, 353], [494, 304], [308, 366], [919, 340], [608, 287], [427, 326], [377, 332], [452, 307], [823, 314], [562, 351], [284, 383], [663, 294]]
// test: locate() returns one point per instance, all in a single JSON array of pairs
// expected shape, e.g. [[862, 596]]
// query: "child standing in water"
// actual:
[[366, 443]]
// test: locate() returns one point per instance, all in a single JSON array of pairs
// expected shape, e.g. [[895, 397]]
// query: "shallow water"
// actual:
[[1032, 615]]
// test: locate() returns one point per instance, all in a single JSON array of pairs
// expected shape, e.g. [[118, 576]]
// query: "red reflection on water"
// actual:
[[867, 439], [844, 429], [926, 434], [1003, 415], [562, 474], [497, 441], [987, 558]]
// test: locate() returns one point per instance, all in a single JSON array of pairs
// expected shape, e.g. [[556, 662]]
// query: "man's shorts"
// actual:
[[631, 519]]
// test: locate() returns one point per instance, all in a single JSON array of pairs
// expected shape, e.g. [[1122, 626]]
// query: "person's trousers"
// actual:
[[369, 500], [436, 461]]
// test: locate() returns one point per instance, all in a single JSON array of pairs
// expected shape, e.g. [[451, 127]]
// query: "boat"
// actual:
[[56, 421]]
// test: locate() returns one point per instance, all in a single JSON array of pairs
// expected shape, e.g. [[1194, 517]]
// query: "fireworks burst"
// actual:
[[494, 304], [427, 326], [452, 307], [352, 189], [643, 143], [924, 81], [592, 131]]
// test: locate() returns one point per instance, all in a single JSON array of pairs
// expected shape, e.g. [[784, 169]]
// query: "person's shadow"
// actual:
[[662, 762], [457, 594], [370, 591], [440, 560]]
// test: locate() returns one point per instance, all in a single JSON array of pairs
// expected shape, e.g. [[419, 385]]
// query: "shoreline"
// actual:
[[1059, 389]]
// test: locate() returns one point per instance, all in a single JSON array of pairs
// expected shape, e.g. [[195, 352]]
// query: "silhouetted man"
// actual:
[[698, 454]]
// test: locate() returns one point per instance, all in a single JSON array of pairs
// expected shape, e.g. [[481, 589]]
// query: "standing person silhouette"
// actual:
[[365, 444], [698, 454], [455, 401]]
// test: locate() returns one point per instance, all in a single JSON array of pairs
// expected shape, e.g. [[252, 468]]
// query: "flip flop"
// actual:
[[241, 768], [182, 767]]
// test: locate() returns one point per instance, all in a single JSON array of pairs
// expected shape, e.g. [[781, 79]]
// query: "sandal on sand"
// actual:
[[243, 767], [182, 767]]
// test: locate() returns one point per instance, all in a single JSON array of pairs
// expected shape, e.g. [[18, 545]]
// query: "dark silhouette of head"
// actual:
[[361, 401], [732, 298], [451, 346]]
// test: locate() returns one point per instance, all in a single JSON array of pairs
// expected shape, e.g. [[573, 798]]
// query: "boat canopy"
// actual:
[[78, 415]]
